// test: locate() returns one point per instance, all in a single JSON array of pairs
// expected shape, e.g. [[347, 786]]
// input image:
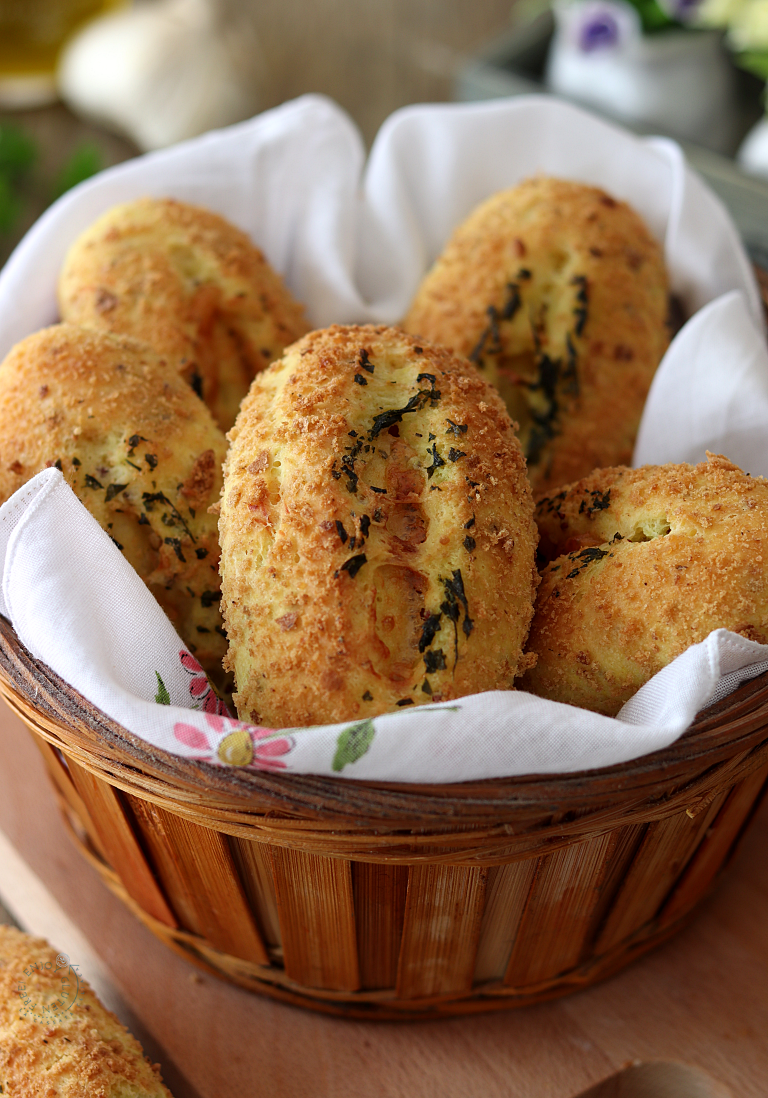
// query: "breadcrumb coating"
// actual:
[[377, 532], [138, 448], [190, 284], [644, 563], [69, 1051], [559, 294]]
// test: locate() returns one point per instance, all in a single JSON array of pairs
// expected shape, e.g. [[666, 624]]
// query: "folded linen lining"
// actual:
[[354, 245]]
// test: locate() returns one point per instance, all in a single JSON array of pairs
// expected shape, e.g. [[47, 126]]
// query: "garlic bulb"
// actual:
[[164, 71]]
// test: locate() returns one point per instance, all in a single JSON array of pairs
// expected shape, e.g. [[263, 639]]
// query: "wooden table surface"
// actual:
[[701, 1000]]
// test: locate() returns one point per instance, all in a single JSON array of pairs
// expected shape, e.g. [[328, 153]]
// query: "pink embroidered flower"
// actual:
[[265, 754], [248, 744], [235, 744], [193, 737], [199, 688]]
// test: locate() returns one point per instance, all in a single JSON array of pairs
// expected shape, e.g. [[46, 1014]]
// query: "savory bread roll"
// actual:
[[643, 564], [558, 293], [192, 286], [56, 1038], [139, 449], [377, 532]]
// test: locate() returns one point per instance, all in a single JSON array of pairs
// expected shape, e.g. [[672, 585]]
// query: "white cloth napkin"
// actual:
[[353, 241]]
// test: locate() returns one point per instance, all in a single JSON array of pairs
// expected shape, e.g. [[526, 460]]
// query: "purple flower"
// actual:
[[599, 31]]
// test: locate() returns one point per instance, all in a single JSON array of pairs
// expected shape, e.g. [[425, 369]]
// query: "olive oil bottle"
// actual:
[[32, 33]]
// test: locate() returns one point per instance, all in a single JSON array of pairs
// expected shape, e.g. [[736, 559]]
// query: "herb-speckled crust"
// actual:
[[559, 293], [377, 532], [644, 563], [192, 286], [83, 1050], [139, 449]]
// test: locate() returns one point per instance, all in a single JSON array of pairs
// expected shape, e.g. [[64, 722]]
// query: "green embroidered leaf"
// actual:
[[162, 697], [353, 743]]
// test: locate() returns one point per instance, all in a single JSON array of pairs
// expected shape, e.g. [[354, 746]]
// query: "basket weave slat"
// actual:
[[507, 891], [627, 841], [372, 1004], [60, 775], [119, 844], [716, 846], [392, 901], [663, 854], [317, 919], [379, 894], [197, 872], [254, 867], [569, 881], [441, 931]]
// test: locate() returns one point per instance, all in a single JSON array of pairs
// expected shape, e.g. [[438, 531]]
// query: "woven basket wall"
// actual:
[[394, 901]]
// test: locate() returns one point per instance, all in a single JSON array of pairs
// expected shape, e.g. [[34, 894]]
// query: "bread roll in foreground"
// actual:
[[377, 532], [559, 294], [56, 1039], [644, 563], [138, 448], [194, 287]]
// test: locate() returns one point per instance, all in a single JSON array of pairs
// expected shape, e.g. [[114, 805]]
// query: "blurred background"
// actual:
[[85, 84], [371, 57]]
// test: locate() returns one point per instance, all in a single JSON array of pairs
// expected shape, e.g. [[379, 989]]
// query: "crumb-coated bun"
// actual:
[[53, 1048], [378, 542], [644, 563], [558, 293], [139, 449], [192, 286]]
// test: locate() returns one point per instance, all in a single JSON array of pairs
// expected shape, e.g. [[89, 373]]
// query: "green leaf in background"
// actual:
[[162, 697], [754, 61], [10, 206], [18, 151], [652, 17], [353, 743], [84, 162]]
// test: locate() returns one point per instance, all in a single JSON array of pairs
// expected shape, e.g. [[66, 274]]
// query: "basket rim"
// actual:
[[725, 734], [732, 726]]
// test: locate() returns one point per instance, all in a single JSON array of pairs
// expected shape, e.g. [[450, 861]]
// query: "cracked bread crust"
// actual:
[[642, 564], [558, 293], [190, 284], [377, 532]]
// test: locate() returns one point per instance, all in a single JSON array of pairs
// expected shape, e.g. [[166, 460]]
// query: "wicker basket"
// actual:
[[397, 901]]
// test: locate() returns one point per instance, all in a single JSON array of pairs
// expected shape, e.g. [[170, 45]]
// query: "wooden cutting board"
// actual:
[[701, 1001]]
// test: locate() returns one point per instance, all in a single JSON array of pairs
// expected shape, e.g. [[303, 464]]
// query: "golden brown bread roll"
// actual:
[[644, 563], [139, 449], [559, 294], [377, 532], [56, 1039], [192, 286]]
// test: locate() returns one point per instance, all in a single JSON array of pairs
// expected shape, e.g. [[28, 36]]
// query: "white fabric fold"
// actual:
[[710, 392], [353, 241]]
